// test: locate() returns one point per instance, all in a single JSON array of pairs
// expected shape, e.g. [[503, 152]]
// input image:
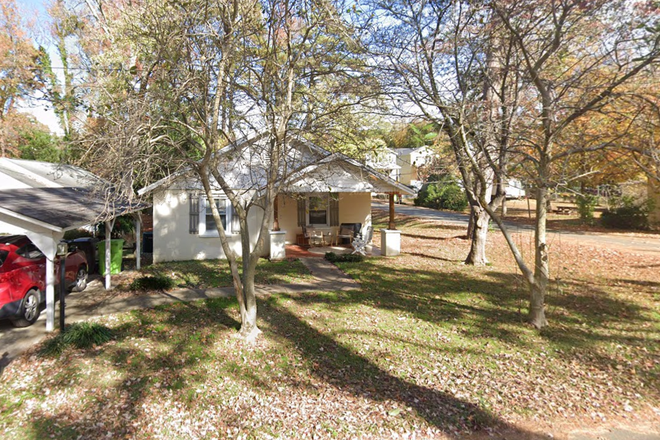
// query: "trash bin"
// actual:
[[148, 242], [89, 246], [116, 255]]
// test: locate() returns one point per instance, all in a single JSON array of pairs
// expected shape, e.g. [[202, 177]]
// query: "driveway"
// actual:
[[639, 243]]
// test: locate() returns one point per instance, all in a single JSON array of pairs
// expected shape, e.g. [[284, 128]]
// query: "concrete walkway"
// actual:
[[81, 306]]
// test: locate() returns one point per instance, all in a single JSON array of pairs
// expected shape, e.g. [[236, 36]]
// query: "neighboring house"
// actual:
[[514, 189], [409, 161], [325, 191], [385, 161]]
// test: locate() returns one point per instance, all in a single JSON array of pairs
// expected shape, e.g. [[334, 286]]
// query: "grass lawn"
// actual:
[[427, 346], [196, 274]]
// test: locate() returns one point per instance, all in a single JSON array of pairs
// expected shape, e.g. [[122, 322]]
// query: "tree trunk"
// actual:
[[249, 330], [539, 288], [471, 223], [477, 255]]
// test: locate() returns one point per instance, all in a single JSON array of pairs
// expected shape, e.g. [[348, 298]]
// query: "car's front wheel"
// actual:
[[81, 280], [29, 311]]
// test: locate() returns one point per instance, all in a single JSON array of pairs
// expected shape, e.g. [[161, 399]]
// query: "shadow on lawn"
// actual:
[[342, 367], [493, 305], [140, 370]]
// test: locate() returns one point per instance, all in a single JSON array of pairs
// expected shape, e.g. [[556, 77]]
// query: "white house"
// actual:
[[385, 162], [409, 161], [319, 191]]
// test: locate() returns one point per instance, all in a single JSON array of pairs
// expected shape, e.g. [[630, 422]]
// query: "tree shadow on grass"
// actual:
[[432, 257], [345, 369], [431, 237], [493, 305], [136, 371]]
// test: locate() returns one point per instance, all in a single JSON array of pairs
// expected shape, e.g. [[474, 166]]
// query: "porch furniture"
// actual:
[[304, 239], [316, 237], [362, 240], [346, 233]]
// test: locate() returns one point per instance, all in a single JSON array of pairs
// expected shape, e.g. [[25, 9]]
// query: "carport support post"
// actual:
[[62, 291], [108, 231], [50, 295]]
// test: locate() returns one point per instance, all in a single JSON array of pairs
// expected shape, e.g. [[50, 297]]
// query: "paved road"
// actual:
[[640, 243]]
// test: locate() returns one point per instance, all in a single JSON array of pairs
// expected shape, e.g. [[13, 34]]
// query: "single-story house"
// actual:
[[319, 191]]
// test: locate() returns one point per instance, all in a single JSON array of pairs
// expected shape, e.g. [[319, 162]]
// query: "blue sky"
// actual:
[[35, 12]]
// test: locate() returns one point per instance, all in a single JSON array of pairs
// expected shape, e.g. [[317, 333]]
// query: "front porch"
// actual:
[[312, 224], [297, 251]]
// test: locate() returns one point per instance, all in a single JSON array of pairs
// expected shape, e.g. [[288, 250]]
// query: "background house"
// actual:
[[385, 161], [410, 160]]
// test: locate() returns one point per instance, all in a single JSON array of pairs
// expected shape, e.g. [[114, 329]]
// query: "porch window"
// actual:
[[318, 210]]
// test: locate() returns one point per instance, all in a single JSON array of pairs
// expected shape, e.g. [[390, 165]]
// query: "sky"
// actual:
[[35, 12]]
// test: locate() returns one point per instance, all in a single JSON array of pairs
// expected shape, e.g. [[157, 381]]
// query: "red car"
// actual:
[[23, 278]]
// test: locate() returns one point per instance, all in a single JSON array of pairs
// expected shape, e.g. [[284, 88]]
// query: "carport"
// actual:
[[44, 200]]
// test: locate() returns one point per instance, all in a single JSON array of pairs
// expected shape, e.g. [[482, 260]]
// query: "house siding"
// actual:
[[172, 238]]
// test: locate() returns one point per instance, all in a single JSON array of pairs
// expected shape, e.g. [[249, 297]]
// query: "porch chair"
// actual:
[[362, 240], [345, 232]]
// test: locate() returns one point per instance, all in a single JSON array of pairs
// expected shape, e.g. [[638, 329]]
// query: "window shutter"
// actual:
[[301, 212], [194, 214], [235, 224], [334, 210]]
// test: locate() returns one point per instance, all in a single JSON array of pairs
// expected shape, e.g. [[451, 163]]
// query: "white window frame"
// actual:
[[203, 205], [327, 209]]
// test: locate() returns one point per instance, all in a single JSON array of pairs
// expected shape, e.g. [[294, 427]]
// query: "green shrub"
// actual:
[[586, 204], [76, 233], [627, 215], [79, 335], [343, 258], [149, 282], [444, 194]]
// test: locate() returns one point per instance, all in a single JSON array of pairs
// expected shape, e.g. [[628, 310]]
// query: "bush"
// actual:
[[586, 204], [444, 194], [79, 335], [76, 233], [343, 258], [157, 282], [628, 215]]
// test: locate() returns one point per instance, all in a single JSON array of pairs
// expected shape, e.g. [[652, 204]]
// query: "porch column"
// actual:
[[390, 238], [391, 226], [276, 214], [107, 258]]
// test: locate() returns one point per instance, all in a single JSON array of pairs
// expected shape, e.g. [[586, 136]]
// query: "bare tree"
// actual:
[[448, 61], [193, 80], [509, 80]]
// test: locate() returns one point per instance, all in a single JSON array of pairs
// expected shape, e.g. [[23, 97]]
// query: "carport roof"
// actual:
[[62, 208], [57, 197]]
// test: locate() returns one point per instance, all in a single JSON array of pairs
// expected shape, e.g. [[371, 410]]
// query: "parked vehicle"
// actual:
[[23, 278]]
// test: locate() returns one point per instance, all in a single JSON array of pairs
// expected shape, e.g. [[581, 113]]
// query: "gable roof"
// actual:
[[306, 167]]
